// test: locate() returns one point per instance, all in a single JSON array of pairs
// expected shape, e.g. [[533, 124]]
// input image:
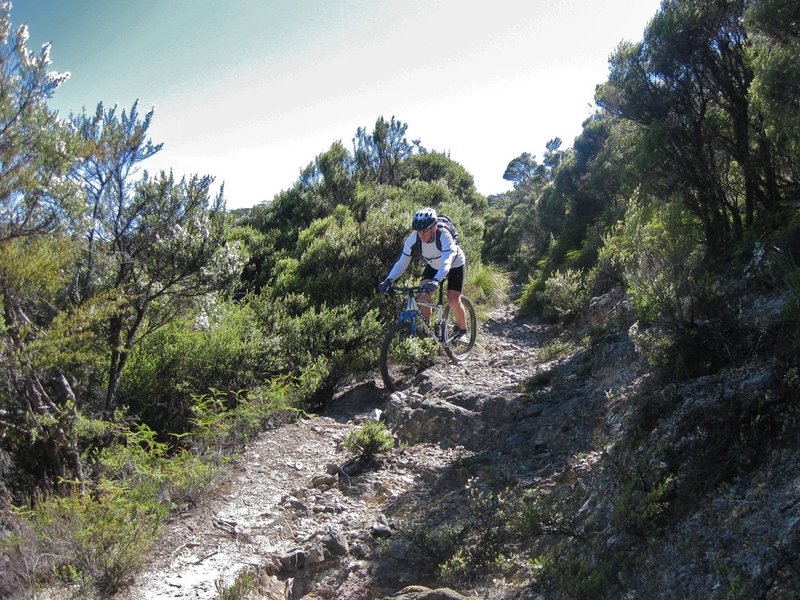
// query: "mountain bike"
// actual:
[[412, 345]]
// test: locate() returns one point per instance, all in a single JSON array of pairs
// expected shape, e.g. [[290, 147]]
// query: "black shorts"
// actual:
[[455, 278]]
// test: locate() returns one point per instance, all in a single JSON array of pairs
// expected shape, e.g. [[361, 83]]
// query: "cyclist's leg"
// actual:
[[427, 275], [455, 282]]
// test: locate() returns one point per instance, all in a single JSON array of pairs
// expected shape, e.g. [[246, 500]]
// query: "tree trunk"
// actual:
[[120, 351]]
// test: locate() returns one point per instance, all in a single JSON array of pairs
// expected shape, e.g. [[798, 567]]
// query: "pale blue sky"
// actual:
[[251, 91]]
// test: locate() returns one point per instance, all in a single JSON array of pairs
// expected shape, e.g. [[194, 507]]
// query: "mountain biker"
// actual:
[[443, 258]]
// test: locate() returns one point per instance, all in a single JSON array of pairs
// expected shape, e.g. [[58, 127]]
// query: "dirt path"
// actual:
[[281, 496], [244, 521]]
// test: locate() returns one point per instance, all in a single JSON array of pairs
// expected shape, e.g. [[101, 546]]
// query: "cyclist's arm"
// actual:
[[405, 258]]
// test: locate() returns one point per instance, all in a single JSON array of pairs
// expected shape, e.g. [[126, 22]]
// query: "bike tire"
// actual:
[[400, 364], [458, 351]]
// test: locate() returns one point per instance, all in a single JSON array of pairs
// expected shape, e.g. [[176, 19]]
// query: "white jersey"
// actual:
[[451, 255]]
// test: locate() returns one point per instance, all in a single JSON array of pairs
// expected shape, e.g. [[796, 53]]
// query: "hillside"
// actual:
[[553, 465]]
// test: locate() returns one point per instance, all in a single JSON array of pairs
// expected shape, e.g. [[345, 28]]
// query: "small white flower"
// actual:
[[23, 34]]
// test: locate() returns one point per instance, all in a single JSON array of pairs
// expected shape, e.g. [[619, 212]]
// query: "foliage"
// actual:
[[414, 349], [435, 166], [101, 539], [543, 513], [240, 589], [100, 542], [659, 258], [217, 347], [643, 489], [585, 577], [487, 285], [773, 56], [158, 243], [437, 542], [321, 347], [565, 295], [369, 440], [531, 300], [38, 202], [686, 84], [121, 290], [378, 155], [789, 272], [36, 149], [223, 422]]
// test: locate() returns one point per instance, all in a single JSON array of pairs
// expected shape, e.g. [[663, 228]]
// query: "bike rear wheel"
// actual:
[[459, 349], [404, 355]]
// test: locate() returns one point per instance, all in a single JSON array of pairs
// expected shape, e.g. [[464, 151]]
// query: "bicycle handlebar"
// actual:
[[410, 289], [401, 289]]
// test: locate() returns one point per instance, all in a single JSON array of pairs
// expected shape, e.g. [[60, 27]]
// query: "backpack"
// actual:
[[447, 223], [441, 221]]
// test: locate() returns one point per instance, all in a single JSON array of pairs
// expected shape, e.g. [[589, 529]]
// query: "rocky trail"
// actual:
[[719, 503], [290, 514]]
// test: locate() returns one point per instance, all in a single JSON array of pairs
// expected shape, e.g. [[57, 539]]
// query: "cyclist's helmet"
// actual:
[[424, 219]]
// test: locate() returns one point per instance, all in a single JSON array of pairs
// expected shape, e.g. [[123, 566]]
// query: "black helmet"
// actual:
[[424, 219]]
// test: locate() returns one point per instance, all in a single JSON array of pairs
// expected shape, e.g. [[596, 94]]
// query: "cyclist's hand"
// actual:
[[429, 287], [384, 286]]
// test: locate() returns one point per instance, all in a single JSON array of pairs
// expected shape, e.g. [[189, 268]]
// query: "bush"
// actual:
[[565, 295], [369, 440], [321, 347], [487, 285], [531, 300], [659, 254], [240, 589], [223, 421], [99, 543], [219, 347]]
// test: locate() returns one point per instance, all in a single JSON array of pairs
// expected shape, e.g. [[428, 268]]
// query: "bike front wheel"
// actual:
[[459, 347], [404, 355]]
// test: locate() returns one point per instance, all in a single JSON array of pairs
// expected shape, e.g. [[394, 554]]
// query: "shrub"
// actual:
[[438, 542], [643, 488], [241, 588], [531, 300], [223, 421], [369, 440], [565, 295], [324, 346], [220, 347], [584, 577], [554, 349], [99, 542], [551, 513], [659, 253], [487, 284], [789, 273]]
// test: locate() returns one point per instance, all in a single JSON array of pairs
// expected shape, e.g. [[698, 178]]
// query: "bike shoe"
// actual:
[[459, 336]]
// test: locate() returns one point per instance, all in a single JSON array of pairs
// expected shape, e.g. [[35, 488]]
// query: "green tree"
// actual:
[[687, 84], [378, 155], [156, 244], [523, 170], [436, 166], [774, 56], [331, 176], [35, 149], [37, 202], [114, 147]]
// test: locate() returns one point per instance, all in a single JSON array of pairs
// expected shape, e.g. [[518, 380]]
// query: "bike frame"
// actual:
[[456, 348], [412, 311]]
